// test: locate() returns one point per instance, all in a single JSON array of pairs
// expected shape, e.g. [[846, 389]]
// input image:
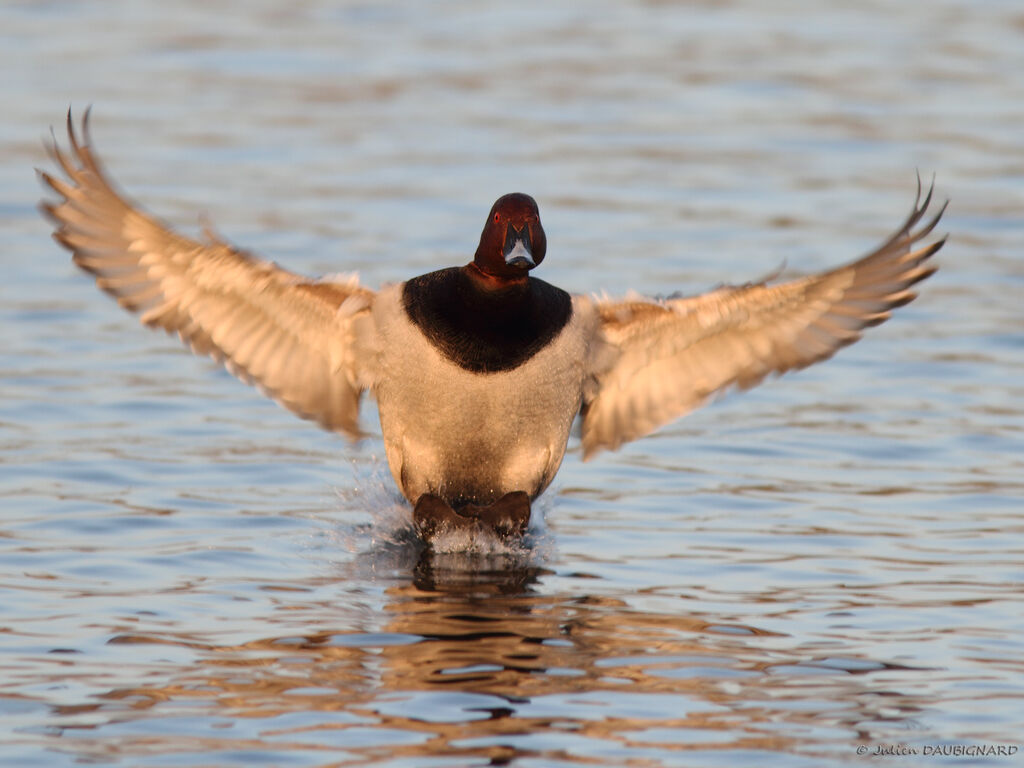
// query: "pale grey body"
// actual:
[[504, 432]]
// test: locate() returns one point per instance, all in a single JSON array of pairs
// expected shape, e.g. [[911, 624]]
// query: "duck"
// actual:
[[479, 371]]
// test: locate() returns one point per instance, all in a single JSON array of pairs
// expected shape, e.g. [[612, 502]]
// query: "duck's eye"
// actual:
[[497, 218]]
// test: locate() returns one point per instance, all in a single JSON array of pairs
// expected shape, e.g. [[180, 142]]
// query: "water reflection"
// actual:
[[471, 658]]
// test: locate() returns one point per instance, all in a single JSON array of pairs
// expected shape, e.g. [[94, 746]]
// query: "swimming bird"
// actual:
[[479, 371]]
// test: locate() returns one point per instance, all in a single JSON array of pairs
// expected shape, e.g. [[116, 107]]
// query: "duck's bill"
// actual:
[[518, 252]]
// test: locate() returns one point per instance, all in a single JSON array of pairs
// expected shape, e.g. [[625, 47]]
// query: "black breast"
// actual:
[[481, 330]]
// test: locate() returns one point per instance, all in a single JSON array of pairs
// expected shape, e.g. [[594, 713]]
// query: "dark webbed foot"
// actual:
[[507, 518], [432, 514]]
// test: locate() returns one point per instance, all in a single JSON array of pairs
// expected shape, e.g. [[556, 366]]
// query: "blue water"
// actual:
[[189, 576]]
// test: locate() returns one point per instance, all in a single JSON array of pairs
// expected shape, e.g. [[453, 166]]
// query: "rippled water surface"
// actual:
[[189, 576]]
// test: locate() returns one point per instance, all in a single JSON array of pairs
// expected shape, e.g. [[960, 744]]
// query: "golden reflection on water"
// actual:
[[470, 659]]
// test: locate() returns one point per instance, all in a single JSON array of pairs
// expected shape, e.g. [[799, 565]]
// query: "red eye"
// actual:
[[497, 218]]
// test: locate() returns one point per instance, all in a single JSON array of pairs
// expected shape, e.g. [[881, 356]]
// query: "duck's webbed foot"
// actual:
[[506, 518]]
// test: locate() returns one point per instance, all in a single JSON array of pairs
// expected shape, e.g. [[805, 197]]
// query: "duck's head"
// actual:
[[513, 241]]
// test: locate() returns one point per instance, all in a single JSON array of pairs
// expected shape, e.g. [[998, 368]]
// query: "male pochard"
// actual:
[[480, 370]]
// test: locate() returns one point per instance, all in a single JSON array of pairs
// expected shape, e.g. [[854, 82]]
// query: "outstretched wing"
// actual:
[[291, 336], [673, 355]]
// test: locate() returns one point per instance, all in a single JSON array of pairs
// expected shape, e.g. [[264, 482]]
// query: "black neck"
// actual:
[[483, 324]]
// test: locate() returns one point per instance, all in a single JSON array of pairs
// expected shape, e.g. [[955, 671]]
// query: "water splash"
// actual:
[[389, 533]]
